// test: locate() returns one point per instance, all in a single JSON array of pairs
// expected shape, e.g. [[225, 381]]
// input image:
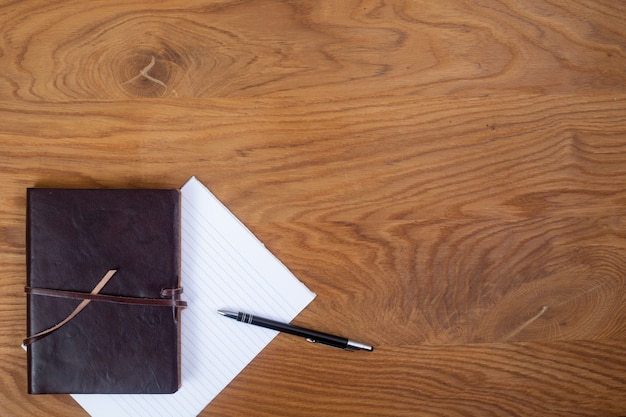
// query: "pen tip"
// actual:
[[229, 314]]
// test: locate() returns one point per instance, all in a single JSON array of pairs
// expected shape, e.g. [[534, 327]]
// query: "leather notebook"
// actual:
[[103, 291]]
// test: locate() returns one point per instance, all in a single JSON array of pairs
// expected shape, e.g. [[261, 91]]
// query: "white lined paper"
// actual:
[[223, 266]]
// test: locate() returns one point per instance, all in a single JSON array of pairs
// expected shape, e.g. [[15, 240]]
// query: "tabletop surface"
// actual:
[[448, 178]]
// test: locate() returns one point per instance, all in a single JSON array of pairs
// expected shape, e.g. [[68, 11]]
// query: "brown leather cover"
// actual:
[[74, 236]]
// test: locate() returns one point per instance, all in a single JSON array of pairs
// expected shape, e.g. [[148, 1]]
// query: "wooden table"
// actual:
[[448, 177]]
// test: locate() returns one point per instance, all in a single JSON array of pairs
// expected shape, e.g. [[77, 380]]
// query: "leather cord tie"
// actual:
[[95, 296]]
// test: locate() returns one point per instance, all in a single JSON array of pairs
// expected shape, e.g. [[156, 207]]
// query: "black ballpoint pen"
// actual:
[[309, 335]]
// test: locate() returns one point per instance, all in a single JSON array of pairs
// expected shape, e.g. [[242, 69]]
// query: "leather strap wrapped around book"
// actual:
[[162, 302], [95, 296]]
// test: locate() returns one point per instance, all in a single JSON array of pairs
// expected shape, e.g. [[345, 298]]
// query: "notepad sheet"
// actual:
[[224, 266]]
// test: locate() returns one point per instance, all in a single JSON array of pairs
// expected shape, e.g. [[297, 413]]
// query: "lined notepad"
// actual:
[[223, 266]]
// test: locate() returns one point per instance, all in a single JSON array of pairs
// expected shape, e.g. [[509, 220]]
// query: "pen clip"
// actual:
[[348, 348]]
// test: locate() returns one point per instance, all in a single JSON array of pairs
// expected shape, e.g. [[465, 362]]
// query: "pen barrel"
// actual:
[[311, 335]]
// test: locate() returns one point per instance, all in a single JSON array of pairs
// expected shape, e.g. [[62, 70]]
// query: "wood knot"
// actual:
[[146, 77]]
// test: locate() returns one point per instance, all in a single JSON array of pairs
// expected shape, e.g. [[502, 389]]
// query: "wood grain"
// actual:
[[511, 379], [98, 50], [449, 179]]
